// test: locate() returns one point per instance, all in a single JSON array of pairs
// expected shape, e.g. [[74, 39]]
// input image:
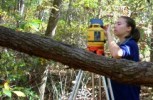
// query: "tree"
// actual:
[[150, 15], [53, 19], [120, 70], [51, 28]]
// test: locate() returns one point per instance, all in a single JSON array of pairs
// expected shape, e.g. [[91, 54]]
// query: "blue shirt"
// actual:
[[126, 91]]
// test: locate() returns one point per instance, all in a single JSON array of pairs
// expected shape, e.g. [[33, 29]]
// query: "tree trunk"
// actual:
[[21, 7], [50, 31], [53, 19], [69, 13], [43, 84], [117, 69], [150, 8], [151, 46], [3, 4]]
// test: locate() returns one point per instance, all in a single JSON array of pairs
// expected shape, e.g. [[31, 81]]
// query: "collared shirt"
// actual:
[[126, 91]]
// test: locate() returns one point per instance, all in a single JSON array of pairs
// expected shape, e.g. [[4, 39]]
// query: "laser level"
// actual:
[[96, 37]]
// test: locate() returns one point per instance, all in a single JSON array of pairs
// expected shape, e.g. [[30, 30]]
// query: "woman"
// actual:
[[127, 48]]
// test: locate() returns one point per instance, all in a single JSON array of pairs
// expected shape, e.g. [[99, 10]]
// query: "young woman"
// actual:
[[127, 48]]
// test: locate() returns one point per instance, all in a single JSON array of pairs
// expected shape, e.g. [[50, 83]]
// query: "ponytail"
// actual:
[[135, 34]]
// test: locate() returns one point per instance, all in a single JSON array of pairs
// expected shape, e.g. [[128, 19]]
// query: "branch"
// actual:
[[120, 70]]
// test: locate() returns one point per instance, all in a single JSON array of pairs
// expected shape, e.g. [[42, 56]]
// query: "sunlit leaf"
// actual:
[[19, 93]]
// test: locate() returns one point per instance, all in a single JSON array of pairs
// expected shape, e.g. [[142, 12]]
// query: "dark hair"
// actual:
[[135, 33]]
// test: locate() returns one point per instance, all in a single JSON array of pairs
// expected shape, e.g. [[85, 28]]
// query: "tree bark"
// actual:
[[21, 7], [117, 69], [53, 19], [43, 84]]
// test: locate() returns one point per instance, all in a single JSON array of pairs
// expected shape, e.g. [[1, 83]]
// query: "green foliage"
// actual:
[[13, 70], [23, 72], [7, 92], [34, 25], [87, 3], [71, 33]]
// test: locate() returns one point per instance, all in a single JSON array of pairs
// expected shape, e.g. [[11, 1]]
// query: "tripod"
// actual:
[[106, 83]]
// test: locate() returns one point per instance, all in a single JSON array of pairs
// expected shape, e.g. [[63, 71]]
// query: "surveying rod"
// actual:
[[96, 40]]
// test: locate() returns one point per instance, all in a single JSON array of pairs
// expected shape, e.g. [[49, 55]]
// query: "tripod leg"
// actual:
[[99, 88], [110, 89], [76, 86], [106, 88], [93, 86]]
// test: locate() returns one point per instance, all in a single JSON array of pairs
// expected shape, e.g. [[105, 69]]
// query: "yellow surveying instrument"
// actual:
[[96, 37], [95, 44]]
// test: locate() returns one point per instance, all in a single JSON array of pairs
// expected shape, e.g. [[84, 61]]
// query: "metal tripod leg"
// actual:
[[93, 86], [108, 88], [100, 80], [76, 86]]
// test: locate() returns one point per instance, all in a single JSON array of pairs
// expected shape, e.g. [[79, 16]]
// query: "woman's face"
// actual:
[[121, 29]]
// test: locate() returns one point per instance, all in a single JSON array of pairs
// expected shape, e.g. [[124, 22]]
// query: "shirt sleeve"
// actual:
[[126, 50]]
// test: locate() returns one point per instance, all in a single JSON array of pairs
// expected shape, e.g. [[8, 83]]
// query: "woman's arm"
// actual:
[[115, 50]]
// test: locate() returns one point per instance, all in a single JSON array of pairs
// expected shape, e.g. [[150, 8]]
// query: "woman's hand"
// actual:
[[107, 29]]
